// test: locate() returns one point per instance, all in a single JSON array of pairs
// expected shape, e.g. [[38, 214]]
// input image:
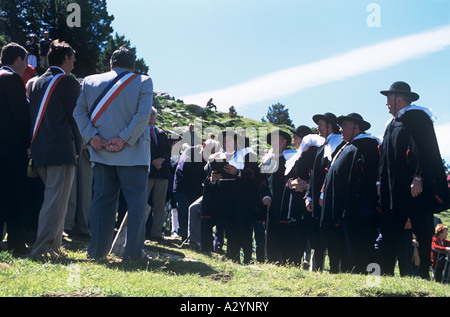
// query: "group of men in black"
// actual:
[[342, 191]]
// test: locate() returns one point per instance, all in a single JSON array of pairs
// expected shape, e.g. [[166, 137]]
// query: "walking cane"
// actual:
[[267, 232]]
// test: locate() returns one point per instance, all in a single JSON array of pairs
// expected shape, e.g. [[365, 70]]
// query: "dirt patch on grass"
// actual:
[[221, 277], [71, 294], [5, 265]]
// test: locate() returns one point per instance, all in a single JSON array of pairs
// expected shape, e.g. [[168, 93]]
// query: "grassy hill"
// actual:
[[174, 116]]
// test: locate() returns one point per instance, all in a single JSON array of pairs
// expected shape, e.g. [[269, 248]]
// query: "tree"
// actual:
[[279, 115], [113, 43], [19, 18], [88, 40]]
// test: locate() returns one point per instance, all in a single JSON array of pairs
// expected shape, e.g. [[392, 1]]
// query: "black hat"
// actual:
[[356, 118], [301, 131], [284, 134], [328, 117], [401, 88]]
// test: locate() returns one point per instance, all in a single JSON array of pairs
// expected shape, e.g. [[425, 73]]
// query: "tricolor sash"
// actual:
[[4, 71], [43, 103], [109, 93]]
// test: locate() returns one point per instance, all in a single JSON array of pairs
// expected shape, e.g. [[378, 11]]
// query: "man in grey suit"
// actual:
[[112, 114]]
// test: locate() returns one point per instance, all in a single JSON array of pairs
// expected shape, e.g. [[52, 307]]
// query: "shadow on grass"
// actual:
[[160, 258]]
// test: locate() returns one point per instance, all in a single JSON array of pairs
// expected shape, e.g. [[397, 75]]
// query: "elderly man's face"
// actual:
[[152, 120], [280, 146], [391, 104], [349, 130], [297, 141], [322, 127]]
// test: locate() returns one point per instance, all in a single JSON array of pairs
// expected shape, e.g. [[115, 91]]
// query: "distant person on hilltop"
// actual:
[[210, 105], [232, 112]]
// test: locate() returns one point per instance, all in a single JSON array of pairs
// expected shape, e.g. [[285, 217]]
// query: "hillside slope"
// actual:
[[174, 117]]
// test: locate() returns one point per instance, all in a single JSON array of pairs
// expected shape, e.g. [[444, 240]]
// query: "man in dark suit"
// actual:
[[55, 144], [14, 136], [158, 179]]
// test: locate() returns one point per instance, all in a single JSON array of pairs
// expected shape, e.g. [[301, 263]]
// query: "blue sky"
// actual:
[[311, 56]]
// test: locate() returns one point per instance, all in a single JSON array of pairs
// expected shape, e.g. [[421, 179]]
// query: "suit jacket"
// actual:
[[161, 149], [58, 140], [127, 117], [14, 118]]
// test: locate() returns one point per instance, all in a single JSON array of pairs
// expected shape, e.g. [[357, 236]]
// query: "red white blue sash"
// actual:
[[111, 91], [4, 71], [45, 98]]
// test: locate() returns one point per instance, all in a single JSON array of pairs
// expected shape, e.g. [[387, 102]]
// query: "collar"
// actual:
[[120, 70], [366, 136], [332, 135], [414, 107], [9, 69], [59, 68]]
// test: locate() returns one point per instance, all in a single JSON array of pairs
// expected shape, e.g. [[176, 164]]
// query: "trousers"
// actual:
[[58, 183], [157, 191], [108, 181]]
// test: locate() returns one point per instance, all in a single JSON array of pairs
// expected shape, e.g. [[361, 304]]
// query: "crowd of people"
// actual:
[[100, 157]]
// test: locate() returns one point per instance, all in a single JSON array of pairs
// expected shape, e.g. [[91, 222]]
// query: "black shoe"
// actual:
[[157, 239]]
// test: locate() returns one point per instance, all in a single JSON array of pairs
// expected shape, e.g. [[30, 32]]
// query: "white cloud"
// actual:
[[356, 62], [443, 136]]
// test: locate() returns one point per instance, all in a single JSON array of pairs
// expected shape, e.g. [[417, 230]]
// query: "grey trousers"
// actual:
[[58, 182], [80, 196], [194, 227], [157, 187], [108, 181]]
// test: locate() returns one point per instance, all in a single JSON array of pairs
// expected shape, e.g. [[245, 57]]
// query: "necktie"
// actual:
[[152, 133]]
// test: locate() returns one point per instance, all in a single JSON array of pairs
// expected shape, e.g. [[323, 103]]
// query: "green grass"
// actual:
[[175, 272]]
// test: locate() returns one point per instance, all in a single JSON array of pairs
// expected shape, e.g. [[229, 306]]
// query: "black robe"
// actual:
[[349, 211], [275, 182], [293, 203], [233, 204], [350, 184], [317, 178], [410, 149]]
